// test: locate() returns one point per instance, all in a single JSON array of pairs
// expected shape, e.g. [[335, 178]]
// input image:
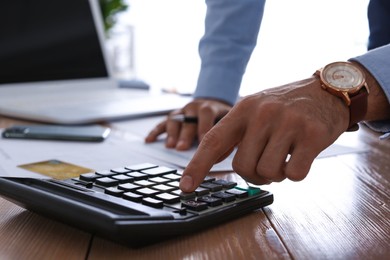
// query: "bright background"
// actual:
[[296, 37]]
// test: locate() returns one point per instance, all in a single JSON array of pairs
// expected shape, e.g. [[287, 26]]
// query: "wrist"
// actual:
[[332, 104], [346, 81], [378, 107]]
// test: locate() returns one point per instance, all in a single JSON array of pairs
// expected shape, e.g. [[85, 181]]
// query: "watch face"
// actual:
[[342, 76]]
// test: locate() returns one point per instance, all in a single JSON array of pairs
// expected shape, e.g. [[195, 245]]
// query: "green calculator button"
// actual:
[[252, 191]]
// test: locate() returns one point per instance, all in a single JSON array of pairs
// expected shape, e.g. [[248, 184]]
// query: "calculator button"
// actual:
[[184, 195], [106, 182], [105, 173], [153, 202], [122, 178], [114, 191], [172, 177], [201, 191], [252, 191], [195, 205], [132, 196], [208, 179], [238, 193], [89, 176], [181, 211], [164, 188], [225, 184], [128, 187], [226, 197], [138, 176], [146, 192], [174, 184], [211, 201], [159, 180], [211, 186], [120, 170], [141, 166], [168, 198], [144, 183], [158, 171]]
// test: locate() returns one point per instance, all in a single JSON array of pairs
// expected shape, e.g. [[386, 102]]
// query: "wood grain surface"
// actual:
[[340, 211]]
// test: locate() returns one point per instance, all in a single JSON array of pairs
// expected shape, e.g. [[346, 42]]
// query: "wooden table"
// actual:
[[340, 211]]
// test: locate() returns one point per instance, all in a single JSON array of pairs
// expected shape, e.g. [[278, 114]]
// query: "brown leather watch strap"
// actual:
[[358, 108]]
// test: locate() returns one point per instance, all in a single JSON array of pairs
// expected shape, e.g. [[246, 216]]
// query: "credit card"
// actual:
[[56, 169]]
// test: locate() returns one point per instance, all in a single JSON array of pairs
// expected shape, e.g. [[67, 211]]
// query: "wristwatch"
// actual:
[[347, 81]]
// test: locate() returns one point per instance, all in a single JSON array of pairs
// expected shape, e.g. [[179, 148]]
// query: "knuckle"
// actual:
[[266, 172], [241, 167], [296, 175], [211, 139], [205, 109]]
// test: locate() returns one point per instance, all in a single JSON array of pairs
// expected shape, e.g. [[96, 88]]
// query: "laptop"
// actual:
[[138, 204], [54, 67]]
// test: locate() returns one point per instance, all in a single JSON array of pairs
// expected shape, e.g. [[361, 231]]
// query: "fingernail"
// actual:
[[181, 145], [186, 183], [148, 139], [170, 142]]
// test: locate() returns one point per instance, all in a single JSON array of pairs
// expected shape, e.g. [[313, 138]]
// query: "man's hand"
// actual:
[[278, 133], [182, 135]]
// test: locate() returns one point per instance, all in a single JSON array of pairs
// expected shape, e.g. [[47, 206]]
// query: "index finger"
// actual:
[[216, 143]]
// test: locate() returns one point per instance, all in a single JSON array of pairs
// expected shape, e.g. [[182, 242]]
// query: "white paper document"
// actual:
[[112, 153], [121, 149], [182, 158], [142, 126]]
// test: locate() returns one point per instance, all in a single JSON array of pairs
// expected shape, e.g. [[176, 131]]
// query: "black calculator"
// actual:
[[135, 205]]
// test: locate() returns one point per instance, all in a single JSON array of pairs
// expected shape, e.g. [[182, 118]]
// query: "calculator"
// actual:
[[135, 205]]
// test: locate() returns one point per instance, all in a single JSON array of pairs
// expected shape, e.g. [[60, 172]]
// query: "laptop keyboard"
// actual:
[[158, 187]]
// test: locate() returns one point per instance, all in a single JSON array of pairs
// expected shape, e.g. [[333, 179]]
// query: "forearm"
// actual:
[[231, 30]]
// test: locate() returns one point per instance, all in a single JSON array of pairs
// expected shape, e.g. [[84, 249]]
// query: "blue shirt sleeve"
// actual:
[[377, 62], [231, 30]]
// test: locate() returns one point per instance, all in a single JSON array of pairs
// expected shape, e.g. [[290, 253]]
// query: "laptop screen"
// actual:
[[45, 40]]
